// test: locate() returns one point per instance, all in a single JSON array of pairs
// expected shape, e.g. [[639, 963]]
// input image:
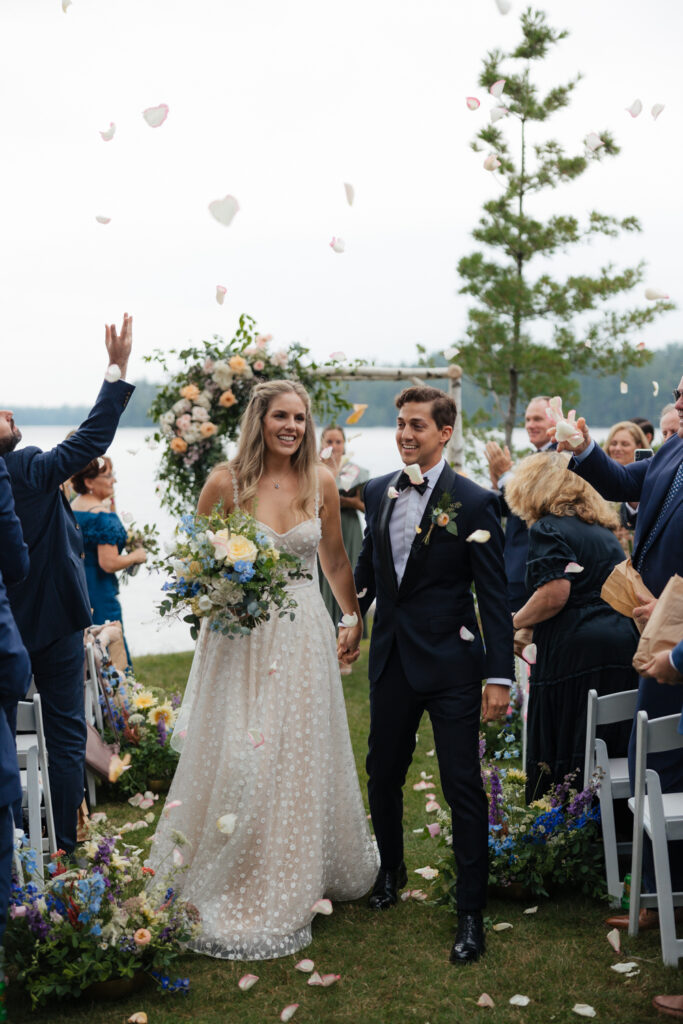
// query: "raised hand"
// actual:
[[564, 446], [119, 345], [499, 460]]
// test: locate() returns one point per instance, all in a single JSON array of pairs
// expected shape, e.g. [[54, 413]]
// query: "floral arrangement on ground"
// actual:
[[199, 407], [102, 915]]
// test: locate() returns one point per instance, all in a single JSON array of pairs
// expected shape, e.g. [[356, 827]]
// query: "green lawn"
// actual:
[[394, 965]]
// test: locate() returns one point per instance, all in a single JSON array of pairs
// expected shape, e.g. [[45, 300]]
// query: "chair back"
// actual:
[[612, 707]]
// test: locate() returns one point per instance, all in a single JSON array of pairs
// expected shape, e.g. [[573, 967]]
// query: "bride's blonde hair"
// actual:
[[248, 464]]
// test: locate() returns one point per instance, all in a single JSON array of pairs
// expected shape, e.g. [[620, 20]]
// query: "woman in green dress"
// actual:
[[351, 480]]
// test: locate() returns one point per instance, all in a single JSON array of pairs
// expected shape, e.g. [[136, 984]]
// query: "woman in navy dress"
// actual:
[[104, 538]]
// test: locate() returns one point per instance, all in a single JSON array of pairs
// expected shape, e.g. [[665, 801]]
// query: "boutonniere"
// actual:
[[443, 515]]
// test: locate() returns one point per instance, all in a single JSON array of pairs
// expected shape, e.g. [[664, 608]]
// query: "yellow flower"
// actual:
[[241, 549], [442, 519], [208, 429], [516, 775], [191, 392], [163, 713], [227, 399], [273, 553], [144, 700], [543, 804], [178, 445], [237, 364]]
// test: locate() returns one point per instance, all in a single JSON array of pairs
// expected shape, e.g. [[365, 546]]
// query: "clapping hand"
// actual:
[[119, 345], [499, 459], [564, 446]]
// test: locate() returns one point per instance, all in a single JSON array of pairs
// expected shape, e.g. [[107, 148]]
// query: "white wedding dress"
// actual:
[[300, 830]]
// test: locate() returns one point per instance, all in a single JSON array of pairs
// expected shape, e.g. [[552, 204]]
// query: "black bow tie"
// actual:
[[404, 482]]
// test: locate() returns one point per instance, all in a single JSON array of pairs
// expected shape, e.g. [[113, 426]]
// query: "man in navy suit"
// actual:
[[657, 483], [426, 652], [51, 607], [15, 679]]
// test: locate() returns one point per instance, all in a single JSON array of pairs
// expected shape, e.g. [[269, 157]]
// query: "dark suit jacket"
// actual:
[[15, 665], [53, 601], [648, 483], [424, 615]]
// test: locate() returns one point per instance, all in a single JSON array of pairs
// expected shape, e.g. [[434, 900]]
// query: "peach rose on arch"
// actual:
[[178, 445], [227, 399], [190, 392], [208, 429]]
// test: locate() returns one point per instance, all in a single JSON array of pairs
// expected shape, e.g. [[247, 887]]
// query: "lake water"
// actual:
[[135, 467]]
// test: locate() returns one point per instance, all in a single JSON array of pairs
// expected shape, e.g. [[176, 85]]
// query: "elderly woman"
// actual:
[[582, 644]]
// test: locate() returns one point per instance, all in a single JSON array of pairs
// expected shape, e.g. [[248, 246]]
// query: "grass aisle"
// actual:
[[394, 965]]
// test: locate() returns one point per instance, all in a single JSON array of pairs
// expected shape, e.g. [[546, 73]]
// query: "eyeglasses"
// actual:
[[677, 395]]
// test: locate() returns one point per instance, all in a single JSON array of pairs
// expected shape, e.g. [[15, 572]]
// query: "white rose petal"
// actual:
[[450, 353], [103, 220], [226, 824], [583, 1010], [496, 89], [624, 968], [427, 872], [614, 939], [485, 1000], [155, 116], [204, 603], [246, 981], [224, 209], [472, 103], [350, 193], [655, 388], [497, 113], [531, 910], [502, 926], [518, 1000], [337, 245], [362, 593], [220, 293], [504, 6], [414, 473], [573, 567], [655, 293], [349, 620], [635, 108], [326, 453], [108, 134], [479, 536], [491, 163], [113, 373], [656, 110], [289, 1012], [529, 654], [322, 907], [392, 492], [304, 965], [466, 634], [593, 141]]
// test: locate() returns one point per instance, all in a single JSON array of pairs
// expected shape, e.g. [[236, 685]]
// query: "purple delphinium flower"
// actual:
[[482, 746], [581, 802], [161, 732], [38, 926], [103, 855], [496, 798], [176, 700]]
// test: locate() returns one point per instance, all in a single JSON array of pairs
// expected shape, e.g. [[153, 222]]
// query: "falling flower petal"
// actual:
[[392, 493], [583, 1010], [152, 444], [427, 872], [624, 968], [226, 824], [66, 4], [108, 135], [531, 910], [635, 108], [132, 451], [466, 634], [655, 293], [337, 355], [491, 163], [315, 979], [257, 739], [640, 346], [103, 220], [497, 88], [329, 979], [350, 193], [655, 388], [358, 410], [623, 387], [155, 116], [178, 858], [414, 473], [502, 926], [432, 805], [326, 453], [529, 654], [246, 981], [113, 373], [472, 103], [614, 939], [362, 593], [485, 1000], [593, 141], [451, 353], [138, 1018], [289, 1012], [497, 113], [224, 209], [322, 907], [434, 829], [519, 1000], [349, 620], [117, 766], [479, 537], [337, 244], [656, 110], [220, 294], [573, 567], [504, 6], [304, 965]]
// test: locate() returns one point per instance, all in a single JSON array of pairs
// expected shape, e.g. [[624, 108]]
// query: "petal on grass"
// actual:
[[289, 1012], [531, 910], [138, 1018], [502, 926], [422, 785], [614, 939], [155, 116], [430, 753], [624, 968], [306, 966], [224, 209], [518, 1000], [247, 981], [329, 979], [315, 979], [583, 1010], [485, 1000], [434, 829], [322, 907], [432, 805], [427, 872]]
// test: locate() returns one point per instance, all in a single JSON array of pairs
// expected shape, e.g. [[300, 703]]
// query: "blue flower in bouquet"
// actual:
[[245, 571]]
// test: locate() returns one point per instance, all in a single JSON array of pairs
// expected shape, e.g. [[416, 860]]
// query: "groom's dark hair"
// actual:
[[443, 406]]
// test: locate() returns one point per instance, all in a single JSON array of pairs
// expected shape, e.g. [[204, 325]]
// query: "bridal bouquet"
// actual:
[[228, 571]]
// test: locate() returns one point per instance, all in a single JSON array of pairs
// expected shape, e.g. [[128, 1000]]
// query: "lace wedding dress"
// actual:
[[300, 830]]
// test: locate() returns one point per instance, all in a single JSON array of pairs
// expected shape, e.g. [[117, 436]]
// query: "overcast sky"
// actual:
[[279, 102]]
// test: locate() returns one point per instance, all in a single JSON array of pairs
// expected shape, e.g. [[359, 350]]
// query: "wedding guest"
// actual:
[[621, 443], [646, 427], [668, 421], [581, 643], [500, 462], [15, 679], [104, 538], [51, 607]]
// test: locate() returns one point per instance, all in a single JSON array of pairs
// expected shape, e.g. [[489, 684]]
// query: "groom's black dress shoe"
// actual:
[[385, 890], [469, 939]]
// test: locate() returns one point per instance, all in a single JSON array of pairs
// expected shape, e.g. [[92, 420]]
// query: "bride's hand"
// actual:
[[348, 649]]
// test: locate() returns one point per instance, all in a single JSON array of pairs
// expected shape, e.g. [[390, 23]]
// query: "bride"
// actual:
[[266, 791]]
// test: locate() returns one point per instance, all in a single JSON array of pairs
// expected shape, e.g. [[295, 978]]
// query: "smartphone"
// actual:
[[643, 453]]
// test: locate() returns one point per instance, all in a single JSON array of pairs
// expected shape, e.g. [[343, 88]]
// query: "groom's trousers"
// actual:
[[395, 712]]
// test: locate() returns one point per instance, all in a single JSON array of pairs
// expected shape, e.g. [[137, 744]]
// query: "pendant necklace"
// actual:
[[276, 483]]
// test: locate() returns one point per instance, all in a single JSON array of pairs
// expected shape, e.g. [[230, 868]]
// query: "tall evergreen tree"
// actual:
[[527, 331]]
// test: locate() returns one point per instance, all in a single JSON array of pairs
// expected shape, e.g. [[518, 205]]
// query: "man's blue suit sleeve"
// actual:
[[14, 562], [677, 657], [46, 471], [612, 480]]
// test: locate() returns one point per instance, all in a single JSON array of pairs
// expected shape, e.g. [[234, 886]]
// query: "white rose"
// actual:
[[241, 549], [204, 400], [192, 434], [181, 406], [167, 418], [204, 603], [222, 374], [178, 566], [199, 413]]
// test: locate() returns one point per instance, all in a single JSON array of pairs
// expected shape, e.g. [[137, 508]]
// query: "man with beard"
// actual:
[[51, 607]]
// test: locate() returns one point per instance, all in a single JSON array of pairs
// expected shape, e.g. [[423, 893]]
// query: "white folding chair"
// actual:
[[614, 781], [660, 816], [35, 780], [93, 711]]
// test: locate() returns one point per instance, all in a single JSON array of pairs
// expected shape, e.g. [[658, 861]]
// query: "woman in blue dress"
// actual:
[[104, 538]]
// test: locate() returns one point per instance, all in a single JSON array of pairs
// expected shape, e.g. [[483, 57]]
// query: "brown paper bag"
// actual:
[[621, 587], [664, 627]]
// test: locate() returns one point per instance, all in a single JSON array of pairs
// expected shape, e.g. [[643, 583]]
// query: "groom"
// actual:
[[426, 652]]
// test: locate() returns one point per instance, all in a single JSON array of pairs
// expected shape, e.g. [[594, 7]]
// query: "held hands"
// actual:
[[564, 446], [495, 701], [348, 643], [119, 346], [499, 460], [661, 669]]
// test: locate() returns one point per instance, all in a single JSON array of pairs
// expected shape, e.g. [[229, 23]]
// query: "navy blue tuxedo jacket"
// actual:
[[53, 601], [648, 483], [15, 665], [424, 615]]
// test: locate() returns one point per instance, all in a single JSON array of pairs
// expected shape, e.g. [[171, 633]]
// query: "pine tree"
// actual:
[[528, 332]]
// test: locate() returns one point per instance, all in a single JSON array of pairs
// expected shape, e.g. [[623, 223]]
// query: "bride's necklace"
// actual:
[[276, 483]]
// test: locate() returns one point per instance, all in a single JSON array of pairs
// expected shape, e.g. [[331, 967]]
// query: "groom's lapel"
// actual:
[[417, 551], [384, 545]]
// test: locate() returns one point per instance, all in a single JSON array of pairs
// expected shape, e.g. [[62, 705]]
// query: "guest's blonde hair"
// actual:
[[542, 485], [633, 429], [248, 464]]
